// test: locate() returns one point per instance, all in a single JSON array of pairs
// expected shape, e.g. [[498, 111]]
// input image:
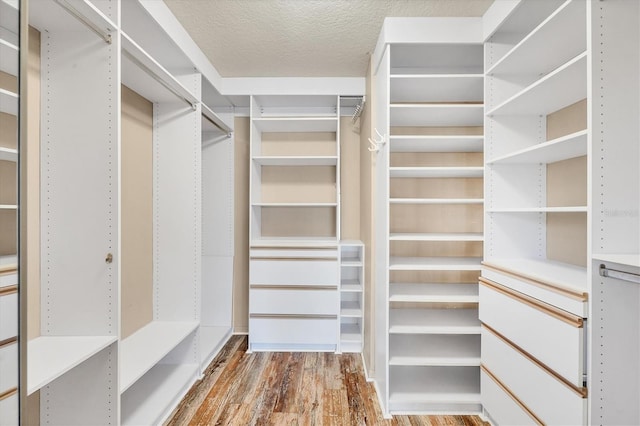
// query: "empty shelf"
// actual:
[[435, 263], [434, 385], [8, 102], [212, 339], [436, 200], [351, 286], [554, 273], [350, 333], [49, 357], [433, 293], [294, 204], [296, 124], [296, 160], [350, 309], [435, 350], [568, 209], [436, 87], [434, 321], [9, 55], [420, 115], [563, 148], [436, 143], [407, 236], [621, 259], [436, 172], [143, 349], [8, 154]]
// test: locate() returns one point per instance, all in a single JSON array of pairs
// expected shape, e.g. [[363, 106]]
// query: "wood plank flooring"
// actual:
[[265, 388]]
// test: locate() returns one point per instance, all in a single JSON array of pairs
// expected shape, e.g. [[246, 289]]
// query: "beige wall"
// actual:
[[136, 212], [241, 246]]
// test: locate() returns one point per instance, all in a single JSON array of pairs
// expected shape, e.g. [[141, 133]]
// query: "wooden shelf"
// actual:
[[558, 89], [296, 124], [420, 115], [563, 148], [557, 274], [435, 263], [433, 293], [542, 50], [8, 154], [436, 172], [436, 350], [141, 351], [436, 87], [296, 160], [49, 357], [444, 143], [436, 200], [569, 209], [9, 55], [350, 309], [408, 236], [8, 102], [159, 390], [434, 321]]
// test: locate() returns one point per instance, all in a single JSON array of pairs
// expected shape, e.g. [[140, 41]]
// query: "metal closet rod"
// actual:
[[226, 129], [153, 75], [620, 275], [103, 34]]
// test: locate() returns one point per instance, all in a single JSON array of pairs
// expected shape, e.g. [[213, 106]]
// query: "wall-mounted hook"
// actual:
[[375, 144]]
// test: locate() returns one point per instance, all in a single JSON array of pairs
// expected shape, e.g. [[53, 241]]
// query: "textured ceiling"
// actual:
[[300, 38]]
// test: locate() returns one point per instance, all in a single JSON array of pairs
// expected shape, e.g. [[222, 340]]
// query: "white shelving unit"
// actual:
[[351, 325], [429, 232]]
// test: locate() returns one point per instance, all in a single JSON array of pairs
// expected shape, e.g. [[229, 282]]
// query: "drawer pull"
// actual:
[[582, 392], [292, 287], [8, 393], [293, 316], [5, 291], [8, 342], [8, 270], [511, 395], [558, 314], [572, 294]]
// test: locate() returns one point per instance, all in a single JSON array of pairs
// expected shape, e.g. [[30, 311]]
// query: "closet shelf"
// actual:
[[436, 200], [569, 209], [411, 386], [436, 350], [435, 263], [436, 143], [436, 172], [212, 338], [146, 402], [553, 273], [436, 87], [350, 309], [8, 102], [294, 204], [433, 292], [294, 242], [49, 357], [542, 50], [408, 236], [350, 333], [9, 55], [563, 148], [632, 260], [350, 261], [9, 16], [564, 86], [296, 160], [8, 154], [143, 349], [434, 321], [436, 114], [296, 124], [350, 286]]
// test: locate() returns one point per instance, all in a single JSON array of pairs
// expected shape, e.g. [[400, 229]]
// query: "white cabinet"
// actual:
[[351, 296]]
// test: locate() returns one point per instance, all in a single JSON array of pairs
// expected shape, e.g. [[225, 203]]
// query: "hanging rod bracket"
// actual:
[[104, 34]]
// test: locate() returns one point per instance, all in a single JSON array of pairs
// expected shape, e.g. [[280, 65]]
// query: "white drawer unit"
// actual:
[[293, 332], [553, 336], [550, 397], [8, 277], [9, 408], [8, 313], [297, 301], [501, 405], [8, 366], [293, 271]]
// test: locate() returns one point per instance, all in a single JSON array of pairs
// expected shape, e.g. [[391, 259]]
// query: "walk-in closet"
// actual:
[[290, 212]]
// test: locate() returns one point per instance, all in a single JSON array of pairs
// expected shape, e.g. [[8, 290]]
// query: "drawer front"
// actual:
[[293, 272], [502, 407], [9, 410], [8, 279], [8, 367], [544, 394], [557, 342], [8, 316], [299, 301], [274, 253], [289, 332]]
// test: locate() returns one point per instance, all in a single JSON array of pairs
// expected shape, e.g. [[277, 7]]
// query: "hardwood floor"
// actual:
[[266, 388]]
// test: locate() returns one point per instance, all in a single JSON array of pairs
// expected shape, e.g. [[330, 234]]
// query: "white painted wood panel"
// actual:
[[500, 406], [282, 301], [293, 272], [291, 332], [8, 316], [9, 367]]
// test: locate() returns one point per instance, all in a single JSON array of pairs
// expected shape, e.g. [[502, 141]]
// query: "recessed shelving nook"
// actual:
[[429, 227]]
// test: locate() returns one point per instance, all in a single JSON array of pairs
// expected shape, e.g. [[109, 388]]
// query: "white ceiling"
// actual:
[[300, 38]]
